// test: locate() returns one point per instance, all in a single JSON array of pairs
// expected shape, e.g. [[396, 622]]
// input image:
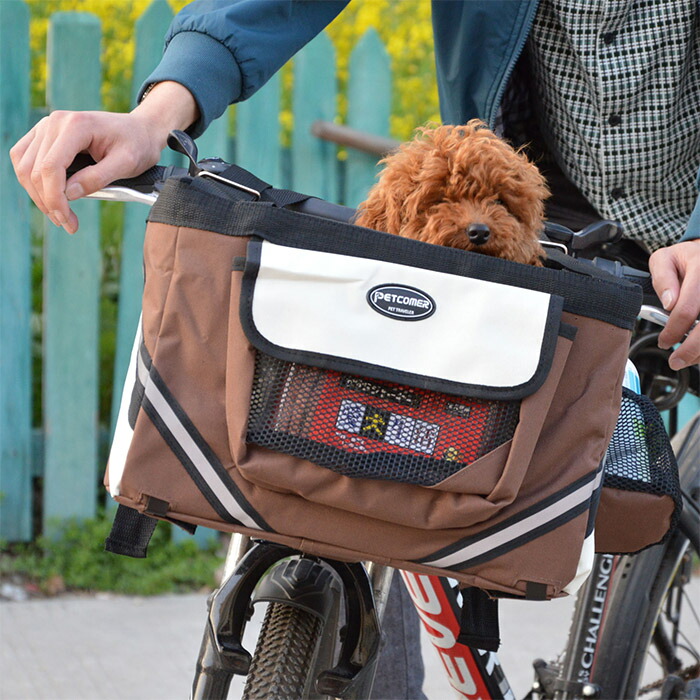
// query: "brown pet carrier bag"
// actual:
[[366, 397]]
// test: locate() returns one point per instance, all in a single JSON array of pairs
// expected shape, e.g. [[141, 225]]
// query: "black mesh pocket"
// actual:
[[370, 428], [640, 457]]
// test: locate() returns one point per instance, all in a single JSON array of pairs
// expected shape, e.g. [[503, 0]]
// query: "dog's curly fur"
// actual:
[[447, 178]]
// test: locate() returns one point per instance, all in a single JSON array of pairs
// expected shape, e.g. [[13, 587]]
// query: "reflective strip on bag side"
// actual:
[[193, 452], [532, 523]]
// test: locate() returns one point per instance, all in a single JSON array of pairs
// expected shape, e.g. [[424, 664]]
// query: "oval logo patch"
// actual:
[[401, 302]]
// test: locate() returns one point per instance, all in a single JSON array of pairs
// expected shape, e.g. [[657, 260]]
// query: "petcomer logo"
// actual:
[[401, 302]]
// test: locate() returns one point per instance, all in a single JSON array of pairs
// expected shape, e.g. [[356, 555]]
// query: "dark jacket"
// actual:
[[224, 50]]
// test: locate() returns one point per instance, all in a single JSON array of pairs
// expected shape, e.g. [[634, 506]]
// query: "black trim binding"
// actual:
[[566, 330], [137, 394], [553, 327], [197, 203], [201, 443], [518, 541], [595, 499]]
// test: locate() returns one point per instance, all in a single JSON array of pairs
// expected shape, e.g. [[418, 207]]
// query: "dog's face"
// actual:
[[463, 187]]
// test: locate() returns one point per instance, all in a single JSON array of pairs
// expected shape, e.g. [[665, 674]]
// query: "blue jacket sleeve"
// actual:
[[693, 229], [222, 51]]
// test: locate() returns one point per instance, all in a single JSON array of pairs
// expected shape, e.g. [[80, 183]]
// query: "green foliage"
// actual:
[[77, 556]]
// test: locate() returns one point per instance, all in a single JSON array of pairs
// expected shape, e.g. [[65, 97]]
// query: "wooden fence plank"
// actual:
[[72, 270], [258, 147], [215, 141], [15, 282], [314, 162], [150, 30], [369, 108]]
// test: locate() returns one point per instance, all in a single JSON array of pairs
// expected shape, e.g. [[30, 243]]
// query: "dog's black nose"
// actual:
[[478, 233]]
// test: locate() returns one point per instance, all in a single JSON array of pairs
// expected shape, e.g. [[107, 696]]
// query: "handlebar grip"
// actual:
[[148, 181], [82, 160]]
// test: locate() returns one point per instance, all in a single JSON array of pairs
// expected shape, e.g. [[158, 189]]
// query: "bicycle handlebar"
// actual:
[[145, 188]]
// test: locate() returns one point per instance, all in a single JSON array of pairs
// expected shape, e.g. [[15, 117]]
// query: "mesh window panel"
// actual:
[[639, 456], [370, 428]]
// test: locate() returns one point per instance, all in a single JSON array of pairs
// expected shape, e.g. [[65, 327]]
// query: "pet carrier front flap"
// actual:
[[424, 328]]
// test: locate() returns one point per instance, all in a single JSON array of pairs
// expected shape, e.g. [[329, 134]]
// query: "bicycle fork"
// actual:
[[571, 679], [272, 573]]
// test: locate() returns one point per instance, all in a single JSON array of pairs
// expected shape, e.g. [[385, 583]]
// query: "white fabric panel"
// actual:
[[481, 333], [585, 565], [122, 430]]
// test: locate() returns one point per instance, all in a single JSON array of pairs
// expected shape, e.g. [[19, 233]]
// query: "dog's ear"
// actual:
[[384, 208], [381, 210]]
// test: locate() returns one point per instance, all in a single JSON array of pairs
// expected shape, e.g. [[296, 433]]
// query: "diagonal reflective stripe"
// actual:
[[523, 527], [193, 452]]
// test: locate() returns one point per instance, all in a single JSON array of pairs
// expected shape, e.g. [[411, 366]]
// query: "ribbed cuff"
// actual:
[[206, 68]]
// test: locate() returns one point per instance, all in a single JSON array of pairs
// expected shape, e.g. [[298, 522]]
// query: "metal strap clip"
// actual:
[[231, 183]]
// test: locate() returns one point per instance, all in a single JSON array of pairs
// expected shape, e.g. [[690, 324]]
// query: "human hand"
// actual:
[[675, 274], [123, 145]]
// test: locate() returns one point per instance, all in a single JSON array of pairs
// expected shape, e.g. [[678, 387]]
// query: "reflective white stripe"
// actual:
[[482, 333], [122, 430], [192, 450], [534, 521]]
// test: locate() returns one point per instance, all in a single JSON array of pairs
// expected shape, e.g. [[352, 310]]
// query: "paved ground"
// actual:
[[112, 647]]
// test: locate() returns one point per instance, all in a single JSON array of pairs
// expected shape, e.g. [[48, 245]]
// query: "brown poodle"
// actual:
[[461, 186]]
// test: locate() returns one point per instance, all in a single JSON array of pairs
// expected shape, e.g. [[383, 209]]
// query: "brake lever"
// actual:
[[595, 234], [592, 236]]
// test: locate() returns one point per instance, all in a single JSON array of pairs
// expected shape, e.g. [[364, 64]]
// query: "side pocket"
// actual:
[[240, 365], [641, 498]]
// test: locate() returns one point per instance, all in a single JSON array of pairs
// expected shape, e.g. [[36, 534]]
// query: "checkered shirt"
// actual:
[[617, 93]]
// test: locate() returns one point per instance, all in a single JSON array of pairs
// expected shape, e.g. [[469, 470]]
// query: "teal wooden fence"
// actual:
[[63, 452]]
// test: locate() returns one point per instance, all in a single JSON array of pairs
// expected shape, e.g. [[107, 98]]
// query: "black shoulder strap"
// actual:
[[281, 198], [579, 265], [479, 626]]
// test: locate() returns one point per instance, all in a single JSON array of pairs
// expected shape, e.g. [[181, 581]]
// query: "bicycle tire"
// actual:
[[284, 655], [638, 617]]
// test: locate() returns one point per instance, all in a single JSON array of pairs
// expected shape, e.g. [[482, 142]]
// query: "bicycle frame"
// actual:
[[473, 673]]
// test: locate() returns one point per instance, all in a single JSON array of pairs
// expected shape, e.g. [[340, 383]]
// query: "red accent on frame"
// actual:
[[440, 620]]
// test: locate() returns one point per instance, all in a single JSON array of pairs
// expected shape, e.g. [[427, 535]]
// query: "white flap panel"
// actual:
[[470, 331]]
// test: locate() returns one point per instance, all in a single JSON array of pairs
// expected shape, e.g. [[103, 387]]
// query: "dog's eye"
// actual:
[[499, 202]]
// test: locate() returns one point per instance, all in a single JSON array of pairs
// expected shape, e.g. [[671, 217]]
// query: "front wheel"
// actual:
[[650, 642], [284, 656]]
